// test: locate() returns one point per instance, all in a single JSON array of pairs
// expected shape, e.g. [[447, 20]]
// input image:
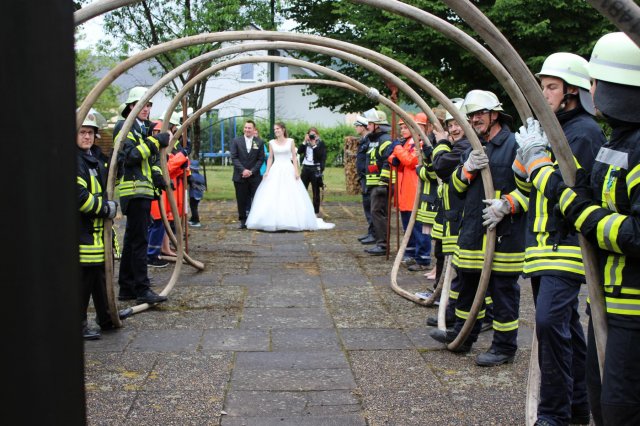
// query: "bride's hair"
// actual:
[[283, 127]]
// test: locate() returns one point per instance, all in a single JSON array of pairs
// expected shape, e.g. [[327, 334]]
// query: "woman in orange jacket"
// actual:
[[405, 160]]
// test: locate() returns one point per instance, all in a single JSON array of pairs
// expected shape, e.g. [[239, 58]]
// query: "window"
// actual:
[[283, 73], [248, 113], [246, 72]]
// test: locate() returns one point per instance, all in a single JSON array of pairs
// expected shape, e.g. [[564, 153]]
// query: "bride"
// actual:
[[281, 202]]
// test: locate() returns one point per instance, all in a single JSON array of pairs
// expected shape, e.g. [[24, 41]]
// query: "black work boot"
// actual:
[[448, 336], [150, 297], [493, 357]]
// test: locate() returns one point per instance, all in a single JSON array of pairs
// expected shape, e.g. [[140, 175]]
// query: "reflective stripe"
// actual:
[[607, 231], [620, 65], [633, 179], [613, 158], [622, 306], [441, 148], [566, 198], [458, 184], [465, 314], [502, 262], [584, 215], [546, 258], [506, 326], [522, 200], [613, 268], [453, 294]]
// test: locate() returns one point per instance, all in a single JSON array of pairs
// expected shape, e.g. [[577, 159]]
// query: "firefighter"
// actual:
[[361, 169], [378, 176], [139, 182], [492, 126], [177, 164], [605, 208], [94, 208], [427, 208], [452, 144], [552, 257]]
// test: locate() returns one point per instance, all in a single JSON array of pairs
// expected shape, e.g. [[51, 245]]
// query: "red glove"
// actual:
[[373, 168]]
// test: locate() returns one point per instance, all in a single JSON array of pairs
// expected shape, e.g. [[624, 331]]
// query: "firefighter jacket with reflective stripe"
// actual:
[[91, 185], [176, 165], [405, 159], [428, 206], [362, 159], [509, 248], [380, 148], [611, 221], [446, 157], [138, 161], [550, 249]]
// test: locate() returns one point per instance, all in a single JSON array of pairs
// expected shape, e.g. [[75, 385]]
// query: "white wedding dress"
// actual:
[[281, 202]]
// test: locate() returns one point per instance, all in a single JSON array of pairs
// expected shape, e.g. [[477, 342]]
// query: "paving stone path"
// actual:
[[294, 329]]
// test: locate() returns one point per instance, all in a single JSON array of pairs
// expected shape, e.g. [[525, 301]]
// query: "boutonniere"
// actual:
[[254, 146]]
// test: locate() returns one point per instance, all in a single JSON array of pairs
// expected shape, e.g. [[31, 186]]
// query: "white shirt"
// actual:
[[248, 142], [308, 156]]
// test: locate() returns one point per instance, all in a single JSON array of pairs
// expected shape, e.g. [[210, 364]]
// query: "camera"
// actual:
[[312, 136]]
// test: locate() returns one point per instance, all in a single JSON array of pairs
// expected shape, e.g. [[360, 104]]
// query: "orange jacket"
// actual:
[[174, 165], [407, 180]]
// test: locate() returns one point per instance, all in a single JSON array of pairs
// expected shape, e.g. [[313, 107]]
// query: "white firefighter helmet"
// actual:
[[457, 102], [376, 116], [478, 100]]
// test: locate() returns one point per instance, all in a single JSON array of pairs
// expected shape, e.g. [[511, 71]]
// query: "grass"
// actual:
[[220, 186]]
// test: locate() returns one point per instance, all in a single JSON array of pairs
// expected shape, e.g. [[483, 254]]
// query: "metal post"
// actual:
[[43, 356]]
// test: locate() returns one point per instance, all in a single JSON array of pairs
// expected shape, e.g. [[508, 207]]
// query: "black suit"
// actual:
[[313, 174], [252, 160]]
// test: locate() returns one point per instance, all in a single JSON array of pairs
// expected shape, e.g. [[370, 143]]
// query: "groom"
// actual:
[[247, 155]]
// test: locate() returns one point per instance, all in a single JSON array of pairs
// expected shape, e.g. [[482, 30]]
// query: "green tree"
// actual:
[[87, 67], [146, 24], [535, 28]]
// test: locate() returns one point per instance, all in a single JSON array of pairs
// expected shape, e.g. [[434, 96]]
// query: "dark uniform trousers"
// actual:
[[366, 205], [505, 293], [379, 204], [562, 348], [614, 403], [133, 277], [93, 277]]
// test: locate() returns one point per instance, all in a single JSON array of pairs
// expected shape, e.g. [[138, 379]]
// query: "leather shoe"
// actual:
[[89, 334], [150, 297], [418, 267], [369, 240], [486, 326], [376, 251], [362, 237], [125, 313], [433, 322], [242, 226], [493, 358]]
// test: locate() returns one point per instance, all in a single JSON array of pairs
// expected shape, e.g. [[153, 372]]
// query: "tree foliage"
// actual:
[[87, 67], [149, 23], [535, 28]]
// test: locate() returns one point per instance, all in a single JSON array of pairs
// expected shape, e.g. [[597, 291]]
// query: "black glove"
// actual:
[[581, 186], [163, 139], [109, 209], [427, 150], [173, 187], [564, 227], [158, 181]]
